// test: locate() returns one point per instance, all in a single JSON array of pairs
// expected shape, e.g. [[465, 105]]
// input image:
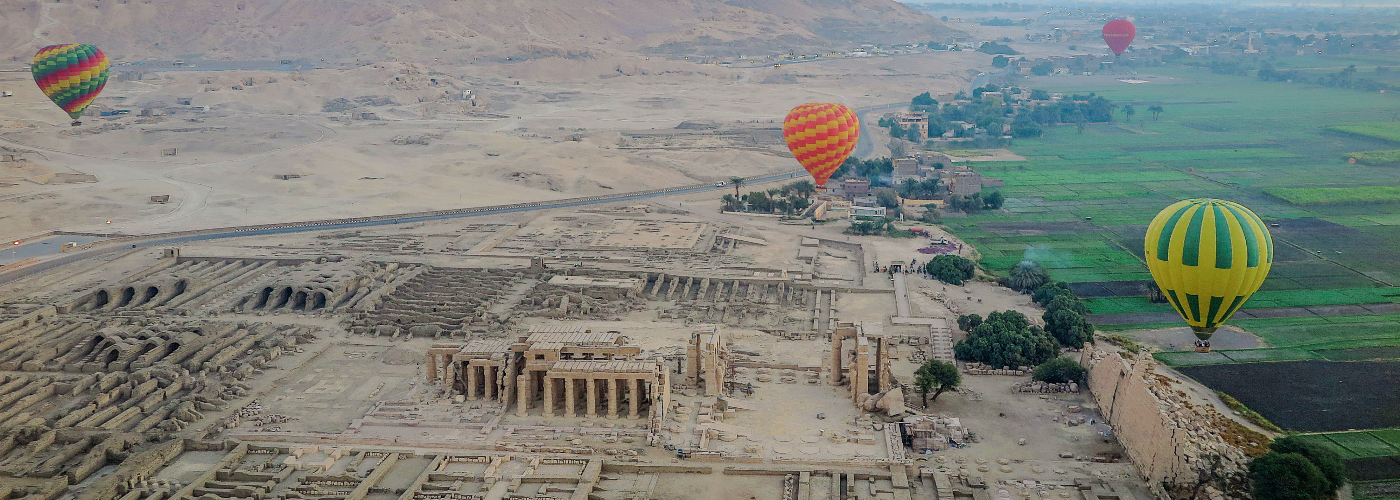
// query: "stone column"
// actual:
[[522, 394], [636, 400], [491, 383], [836, 356], [449, 368], [548, 395], [614, 392], [569, 397], [431, 371], [592, 410], [471, 381]]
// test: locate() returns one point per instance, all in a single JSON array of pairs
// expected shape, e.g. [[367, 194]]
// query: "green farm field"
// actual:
[[1080, 201]]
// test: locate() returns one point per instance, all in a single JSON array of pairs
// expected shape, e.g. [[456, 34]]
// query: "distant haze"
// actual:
[[1256, 3]]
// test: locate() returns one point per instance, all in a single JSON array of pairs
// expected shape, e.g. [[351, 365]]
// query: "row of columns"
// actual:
[[475, 374], [633, 386]]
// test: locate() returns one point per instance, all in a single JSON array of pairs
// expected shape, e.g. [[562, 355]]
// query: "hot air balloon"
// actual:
[[71, 75], [1118, 34], [821, 136], [1208, 256]]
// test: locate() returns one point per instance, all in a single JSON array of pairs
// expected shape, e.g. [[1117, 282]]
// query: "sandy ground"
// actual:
[[535, 133]]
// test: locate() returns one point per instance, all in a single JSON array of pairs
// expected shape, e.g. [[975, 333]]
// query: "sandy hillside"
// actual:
[[453, 31]]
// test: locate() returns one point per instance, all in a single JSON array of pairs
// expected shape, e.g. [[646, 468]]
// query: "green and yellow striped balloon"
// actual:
[[1208, 256]]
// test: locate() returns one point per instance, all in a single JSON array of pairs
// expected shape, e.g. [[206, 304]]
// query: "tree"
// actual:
[[924, 99], [1059, 371], [1156, 110], [899, 147], [1000, 61], [803, 188], [1129, 110], [951, 269], [1042, 69], [967, 322], [1326, 460], [1069, 328], [736, 181], [1068, 302], [936, 376], [1006, 338], [887, 198], [1287, 476], [1047, 292], [759, 201], [1028, 275], [994, 200]]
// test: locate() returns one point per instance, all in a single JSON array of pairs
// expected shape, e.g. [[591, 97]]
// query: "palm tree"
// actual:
[[1128, 110], [1028, 275], [1156, 110], [736, 181], [804, 188], [731, 204]]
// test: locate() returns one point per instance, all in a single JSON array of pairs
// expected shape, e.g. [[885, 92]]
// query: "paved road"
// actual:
[[865, 146], [159, 240]]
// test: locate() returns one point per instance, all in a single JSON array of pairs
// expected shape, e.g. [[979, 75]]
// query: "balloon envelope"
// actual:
[[71, 75], [1119, 33], [1208, 256], [821, 136]]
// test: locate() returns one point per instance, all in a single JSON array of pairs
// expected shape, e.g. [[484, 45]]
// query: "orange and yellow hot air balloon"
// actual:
[[821, 136]]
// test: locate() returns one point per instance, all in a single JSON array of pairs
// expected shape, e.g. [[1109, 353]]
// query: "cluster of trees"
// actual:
[[876, 169], [996, 48], [790, 199], [927, 189], [1027, 120], [1004, 338], [1064, 315], [1294, 469], [1077, 109], [1345, 78], [951, 269], [1008, 339], [866, 226], [992, 201]]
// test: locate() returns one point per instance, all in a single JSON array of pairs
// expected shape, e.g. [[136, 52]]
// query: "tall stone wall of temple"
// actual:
[[1166, 436]]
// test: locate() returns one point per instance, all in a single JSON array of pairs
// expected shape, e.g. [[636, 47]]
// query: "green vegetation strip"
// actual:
[[1334, 195], [1381, 157], [1389, 131], [1252, 416]]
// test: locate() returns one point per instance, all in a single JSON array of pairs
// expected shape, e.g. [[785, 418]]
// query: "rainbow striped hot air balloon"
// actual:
[[821, 136], [1208, 256], [71, 75]]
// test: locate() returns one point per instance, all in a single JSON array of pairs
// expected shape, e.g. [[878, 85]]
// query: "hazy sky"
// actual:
[[1280, 3]]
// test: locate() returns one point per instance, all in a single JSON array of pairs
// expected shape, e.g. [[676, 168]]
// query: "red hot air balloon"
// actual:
[[1119, 33]]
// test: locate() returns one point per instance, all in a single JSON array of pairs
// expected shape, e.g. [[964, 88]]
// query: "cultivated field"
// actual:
[[1080, 203]]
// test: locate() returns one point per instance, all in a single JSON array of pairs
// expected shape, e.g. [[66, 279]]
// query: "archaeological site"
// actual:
[[612, 353]]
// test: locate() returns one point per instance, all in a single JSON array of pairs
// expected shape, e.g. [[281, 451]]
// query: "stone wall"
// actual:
[[1164, 434]]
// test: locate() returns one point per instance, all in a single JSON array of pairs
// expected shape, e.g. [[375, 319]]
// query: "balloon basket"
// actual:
[[1203, 349], [76, 123]]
